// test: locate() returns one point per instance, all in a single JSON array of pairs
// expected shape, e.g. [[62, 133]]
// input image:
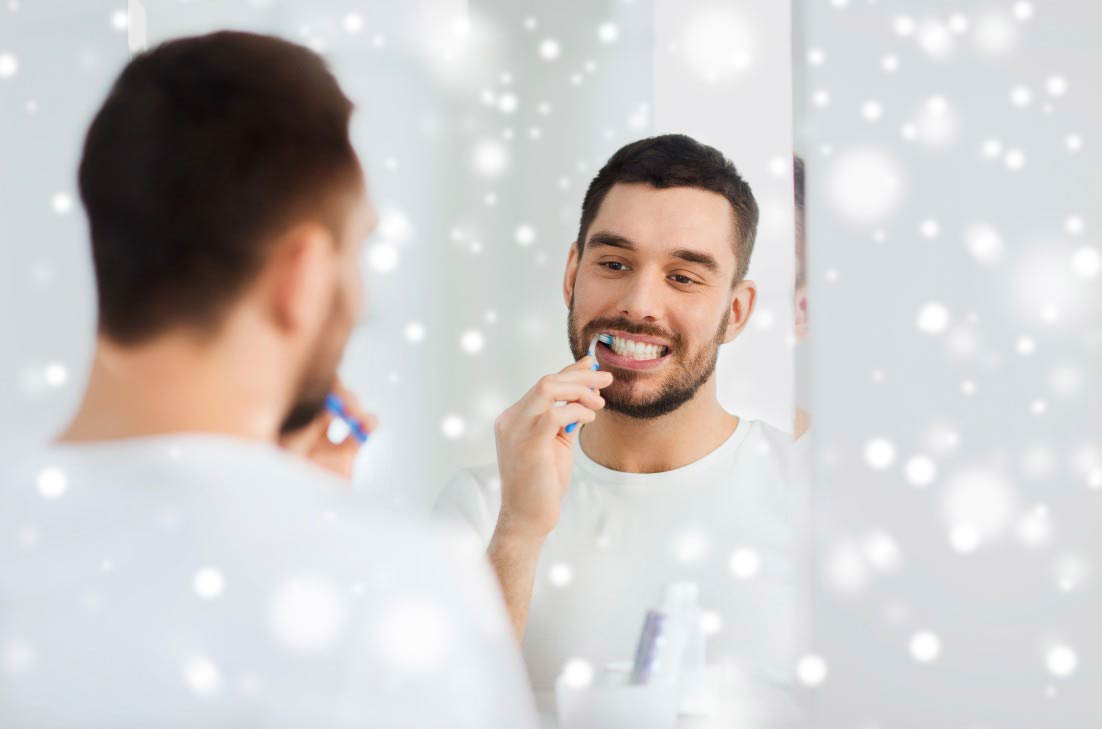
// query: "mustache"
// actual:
[[632, 327]]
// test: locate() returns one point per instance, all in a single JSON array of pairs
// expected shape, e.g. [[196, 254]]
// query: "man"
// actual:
[[660, 485], [800, 297], [171, 565]]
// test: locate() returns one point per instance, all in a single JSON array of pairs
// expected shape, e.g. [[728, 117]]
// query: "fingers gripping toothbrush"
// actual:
[[603, 339]]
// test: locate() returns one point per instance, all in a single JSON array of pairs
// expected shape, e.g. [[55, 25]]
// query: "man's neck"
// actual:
[[175, 384], [654, 445]]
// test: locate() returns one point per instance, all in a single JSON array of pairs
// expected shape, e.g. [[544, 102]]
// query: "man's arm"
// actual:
[[473, 508], [535, 457], [514, 558]]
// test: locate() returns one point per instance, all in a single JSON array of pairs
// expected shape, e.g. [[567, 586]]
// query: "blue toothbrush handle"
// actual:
[[574, 426], [335, 406]]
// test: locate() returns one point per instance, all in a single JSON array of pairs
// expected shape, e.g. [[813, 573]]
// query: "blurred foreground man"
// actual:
[[174, 560]]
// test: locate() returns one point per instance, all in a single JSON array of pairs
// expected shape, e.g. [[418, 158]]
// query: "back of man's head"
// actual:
[[205, 149]]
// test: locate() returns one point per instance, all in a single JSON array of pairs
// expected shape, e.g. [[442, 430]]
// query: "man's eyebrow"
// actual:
[[612, 240], [703, 259]]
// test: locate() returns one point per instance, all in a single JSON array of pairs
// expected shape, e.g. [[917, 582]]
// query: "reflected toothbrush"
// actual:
[[336, 406], [603, 339]]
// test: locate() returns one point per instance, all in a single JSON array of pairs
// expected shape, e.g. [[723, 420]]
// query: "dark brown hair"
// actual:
[[205, 148], [677, 160]]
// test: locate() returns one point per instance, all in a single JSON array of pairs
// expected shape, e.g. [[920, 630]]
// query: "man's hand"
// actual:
[[535, 458], [535, 454], [312, 441]]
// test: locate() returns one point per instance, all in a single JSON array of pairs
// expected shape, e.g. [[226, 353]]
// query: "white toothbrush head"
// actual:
[[601, 337]]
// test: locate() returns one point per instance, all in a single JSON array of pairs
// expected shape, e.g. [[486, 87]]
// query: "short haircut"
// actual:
[[677, 160], [204, 150]]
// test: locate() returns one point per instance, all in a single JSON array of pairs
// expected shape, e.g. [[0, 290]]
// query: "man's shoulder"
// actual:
[[779, 463], [485, 475], [785, 453], [766, 437], [182, 466], [481, 481], [472, 497], [213, 486]]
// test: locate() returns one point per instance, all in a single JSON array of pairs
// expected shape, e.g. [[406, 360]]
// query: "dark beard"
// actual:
[[302, 413], [679, 388], [319, 377]]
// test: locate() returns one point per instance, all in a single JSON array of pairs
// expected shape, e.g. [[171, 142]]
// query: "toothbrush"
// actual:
[[336, 406], [603, 339]]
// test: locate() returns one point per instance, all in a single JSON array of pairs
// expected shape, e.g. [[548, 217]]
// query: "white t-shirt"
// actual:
[[203, 581], [734, 522]]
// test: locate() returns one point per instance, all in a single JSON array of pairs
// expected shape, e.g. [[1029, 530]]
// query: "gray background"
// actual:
[[1012, 431]]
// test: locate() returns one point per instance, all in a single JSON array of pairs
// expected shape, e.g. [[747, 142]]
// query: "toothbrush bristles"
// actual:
[[601, 337]]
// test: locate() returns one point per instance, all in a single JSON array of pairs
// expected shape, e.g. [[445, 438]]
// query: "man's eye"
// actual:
[[685, 280], [615, 266]]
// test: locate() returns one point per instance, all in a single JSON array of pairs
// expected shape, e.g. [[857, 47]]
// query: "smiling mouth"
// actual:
[[639, 351]]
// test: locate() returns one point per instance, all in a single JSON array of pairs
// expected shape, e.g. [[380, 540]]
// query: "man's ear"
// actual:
[[570, 275], [742, 305], [299, 277]]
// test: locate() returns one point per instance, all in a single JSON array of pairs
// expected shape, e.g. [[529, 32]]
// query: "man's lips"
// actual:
[[609, 359]]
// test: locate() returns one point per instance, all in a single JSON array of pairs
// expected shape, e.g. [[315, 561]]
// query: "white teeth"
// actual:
[[636, 350]]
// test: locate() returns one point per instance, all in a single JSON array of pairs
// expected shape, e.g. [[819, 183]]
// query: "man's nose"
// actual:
[[641, 299]]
